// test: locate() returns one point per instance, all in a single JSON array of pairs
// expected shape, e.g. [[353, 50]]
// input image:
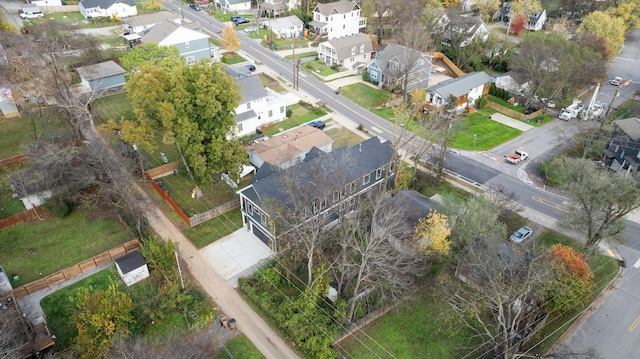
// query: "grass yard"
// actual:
[[623, 110], [21, 131], [302, 55], [232, 59], [113, 107], [9, 203], [365, 95], [320, 68], [488, 133], [343, 137], [240, 347], [299, 115], [210, 231], [57, 243], [422, 327], [268, 81], [504, 103]]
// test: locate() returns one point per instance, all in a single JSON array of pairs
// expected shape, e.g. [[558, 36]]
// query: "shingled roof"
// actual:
[[460, 86], [338, 7], [100, 70]]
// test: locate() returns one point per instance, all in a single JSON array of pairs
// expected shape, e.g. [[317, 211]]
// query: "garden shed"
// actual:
[[102, 76], [132, 268]]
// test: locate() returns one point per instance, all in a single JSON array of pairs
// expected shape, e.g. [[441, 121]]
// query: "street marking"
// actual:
[[634, 324], [376, 129], [637, 265], [622, 58], [550, 204]]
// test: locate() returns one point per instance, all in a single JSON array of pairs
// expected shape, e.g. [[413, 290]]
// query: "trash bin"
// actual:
[[232, 323], [16, 277]]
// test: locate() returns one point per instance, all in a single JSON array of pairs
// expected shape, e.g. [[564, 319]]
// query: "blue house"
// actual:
[[389, 68], [192, 44], [323, 186], [102, 76]]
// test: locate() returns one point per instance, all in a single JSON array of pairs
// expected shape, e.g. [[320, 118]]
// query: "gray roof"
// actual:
[[245, 116], [460, 86], [288, 21], [338, 7], [100, 71], [536, 17], [251, 89], [343, 45], [402, 55], [461, 24], [519, 77], [130, 262], [148, 19], [233, 2], [166, 28], [352, 162], [414, 205], [104, 4], [630, 126]]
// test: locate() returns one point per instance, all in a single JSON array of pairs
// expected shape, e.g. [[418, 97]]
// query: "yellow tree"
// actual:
[[153, 5], [431, 234], [606, 27], [230, 40], [485, 8]]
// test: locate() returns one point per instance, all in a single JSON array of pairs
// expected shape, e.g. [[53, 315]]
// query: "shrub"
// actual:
[[289, 112], [481, 102], [59, 205]]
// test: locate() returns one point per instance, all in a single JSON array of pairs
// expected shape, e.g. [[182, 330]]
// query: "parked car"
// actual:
[[32, 15], [251, 67], [250, 29], [162, 186], [195, 7], [616, 81], [238, 20], [318, 124], [521, 235], [517, 156]]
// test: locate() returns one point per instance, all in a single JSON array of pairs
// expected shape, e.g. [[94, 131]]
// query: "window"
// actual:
[[336, 196], [395, 65], [366, 179], [318, 17], [281, 109], [248, 105], [270, 113], [353, 51], [249, 209], [352, 202], [239, 127], [379, 173], [326, 19], [344, 16], [352, 59], [263, 218], [374, 74], [391, 164], [352, 187], [191, 60], [362, 48], [186, 44]]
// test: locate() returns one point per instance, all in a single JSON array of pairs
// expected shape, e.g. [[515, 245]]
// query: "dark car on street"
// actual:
[[195, 7]]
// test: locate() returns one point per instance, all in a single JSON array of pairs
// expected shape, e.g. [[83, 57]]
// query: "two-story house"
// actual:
[[463, 91], [107, 8], [330, 184], [389, 68], [349, 51], [234, 5], [536, 21], [258, 106], [622, 153], [142, 23], [192, 44], [337, 19], [277, 8], [461, 30]]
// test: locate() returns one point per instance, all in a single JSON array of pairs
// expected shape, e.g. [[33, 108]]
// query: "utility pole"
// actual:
[[295, 72], [604, 118]]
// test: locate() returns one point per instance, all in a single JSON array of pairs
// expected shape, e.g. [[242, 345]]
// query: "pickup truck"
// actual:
[[516, 157], [31, 15]]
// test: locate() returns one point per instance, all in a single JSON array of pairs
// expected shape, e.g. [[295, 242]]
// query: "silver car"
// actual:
[[521, 234]]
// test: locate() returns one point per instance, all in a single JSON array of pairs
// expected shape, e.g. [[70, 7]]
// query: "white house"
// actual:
[[536, 21], [107, 8], [143, 23], [350, 51], [258, 106], [234, 5], [132, 268], [285, 27], [46, 2], [277, 8], [513, 81], [289, 148], [461, 30], [463, 90], [337, 19]]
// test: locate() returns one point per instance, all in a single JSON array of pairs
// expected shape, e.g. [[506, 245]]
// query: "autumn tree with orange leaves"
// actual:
[[572, 280]]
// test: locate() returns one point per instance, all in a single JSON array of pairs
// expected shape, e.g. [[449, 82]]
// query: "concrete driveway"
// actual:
[[236, 255]]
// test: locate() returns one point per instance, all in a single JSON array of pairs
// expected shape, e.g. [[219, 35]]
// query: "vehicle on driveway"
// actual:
[[517, 157], [521, 235], [32, 15], [616, 81], [195, 7], [318, 124], [250, 29], [239, 20], [251, 67]]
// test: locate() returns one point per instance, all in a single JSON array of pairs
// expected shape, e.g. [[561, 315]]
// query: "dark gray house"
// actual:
[[102, 76], [329, 183], [623, 150], [388, 69]]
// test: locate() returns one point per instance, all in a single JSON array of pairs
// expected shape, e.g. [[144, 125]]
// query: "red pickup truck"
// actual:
[[516, 157]]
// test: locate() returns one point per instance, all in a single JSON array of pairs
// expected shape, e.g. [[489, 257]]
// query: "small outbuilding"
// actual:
[[102, 76], [132, 268], [8, 108]]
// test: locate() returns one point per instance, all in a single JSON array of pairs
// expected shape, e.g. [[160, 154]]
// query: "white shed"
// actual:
[[132, 268]]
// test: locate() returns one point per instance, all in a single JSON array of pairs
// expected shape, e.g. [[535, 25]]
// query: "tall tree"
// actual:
[[524, 9], [605, 26], [599, 200], [414, 38], [150, 53], [431, 234], [571, 283], [230, 41]]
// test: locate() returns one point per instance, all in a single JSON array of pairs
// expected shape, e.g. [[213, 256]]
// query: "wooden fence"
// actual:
[[215, 212], [513, 113], [449, 63], [9, 161], [22, 217], [58, 8], [70, 272]]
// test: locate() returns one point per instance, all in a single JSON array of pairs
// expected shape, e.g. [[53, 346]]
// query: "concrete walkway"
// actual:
[[511, 122]]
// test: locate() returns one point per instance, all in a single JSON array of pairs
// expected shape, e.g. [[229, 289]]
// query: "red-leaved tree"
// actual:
[[517, 25], [572, 280]]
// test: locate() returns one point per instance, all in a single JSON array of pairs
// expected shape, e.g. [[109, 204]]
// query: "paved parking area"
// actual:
[[236, 255]]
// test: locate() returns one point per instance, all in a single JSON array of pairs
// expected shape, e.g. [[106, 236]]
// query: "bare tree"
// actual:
[[12, 331], [412, 63], [203, 344]]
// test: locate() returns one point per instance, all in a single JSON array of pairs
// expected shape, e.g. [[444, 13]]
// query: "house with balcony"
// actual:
[[192, 44], [389, 68], [258, 106], [107, 8], [622, 152], [459, 93], [325, 186], [350, 52], [337, 19]]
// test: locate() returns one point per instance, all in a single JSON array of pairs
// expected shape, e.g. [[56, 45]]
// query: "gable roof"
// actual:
[[536, 17], [130, 262], [168, 33], [251, 89], [461, 24], [100, 70], [414, 205], [630, 126], [352, 162], [343, 45], [282, 148], [148, 19], [460, 86], [518, 77], [104, 4], [235, 2], [287, 21], [338, 7]]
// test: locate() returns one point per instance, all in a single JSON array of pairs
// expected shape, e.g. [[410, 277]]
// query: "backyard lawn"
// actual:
[[487, 133], [365, 95], [21, 131], [299, 115], [240, 348], [40, 248], [210, 231], [9, 203], [343, 137], [114, 107], [320, 68]]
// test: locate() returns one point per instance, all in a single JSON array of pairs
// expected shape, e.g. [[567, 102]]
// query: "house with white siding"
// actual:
[[349, 51], [258, 106], [337, 19], [107, 8]]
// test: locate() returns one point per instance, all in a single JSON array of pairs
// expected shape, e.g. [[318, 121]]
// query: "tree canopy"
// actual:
[[608, 27], [150, 53]]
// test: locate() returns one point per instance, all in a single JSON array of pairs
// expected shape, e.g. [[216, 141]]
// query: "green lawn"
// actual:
[[113, 107], [504, 103], [422, 327], [15, 133], [210, 231], [75, 18], [9, 203], [21, 131], [365, 95], [57, 243], [488, 133], [302, 55], [623, 110], [343, 137], [240, 348], [299, 115], [320, 68], [232, 59]]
